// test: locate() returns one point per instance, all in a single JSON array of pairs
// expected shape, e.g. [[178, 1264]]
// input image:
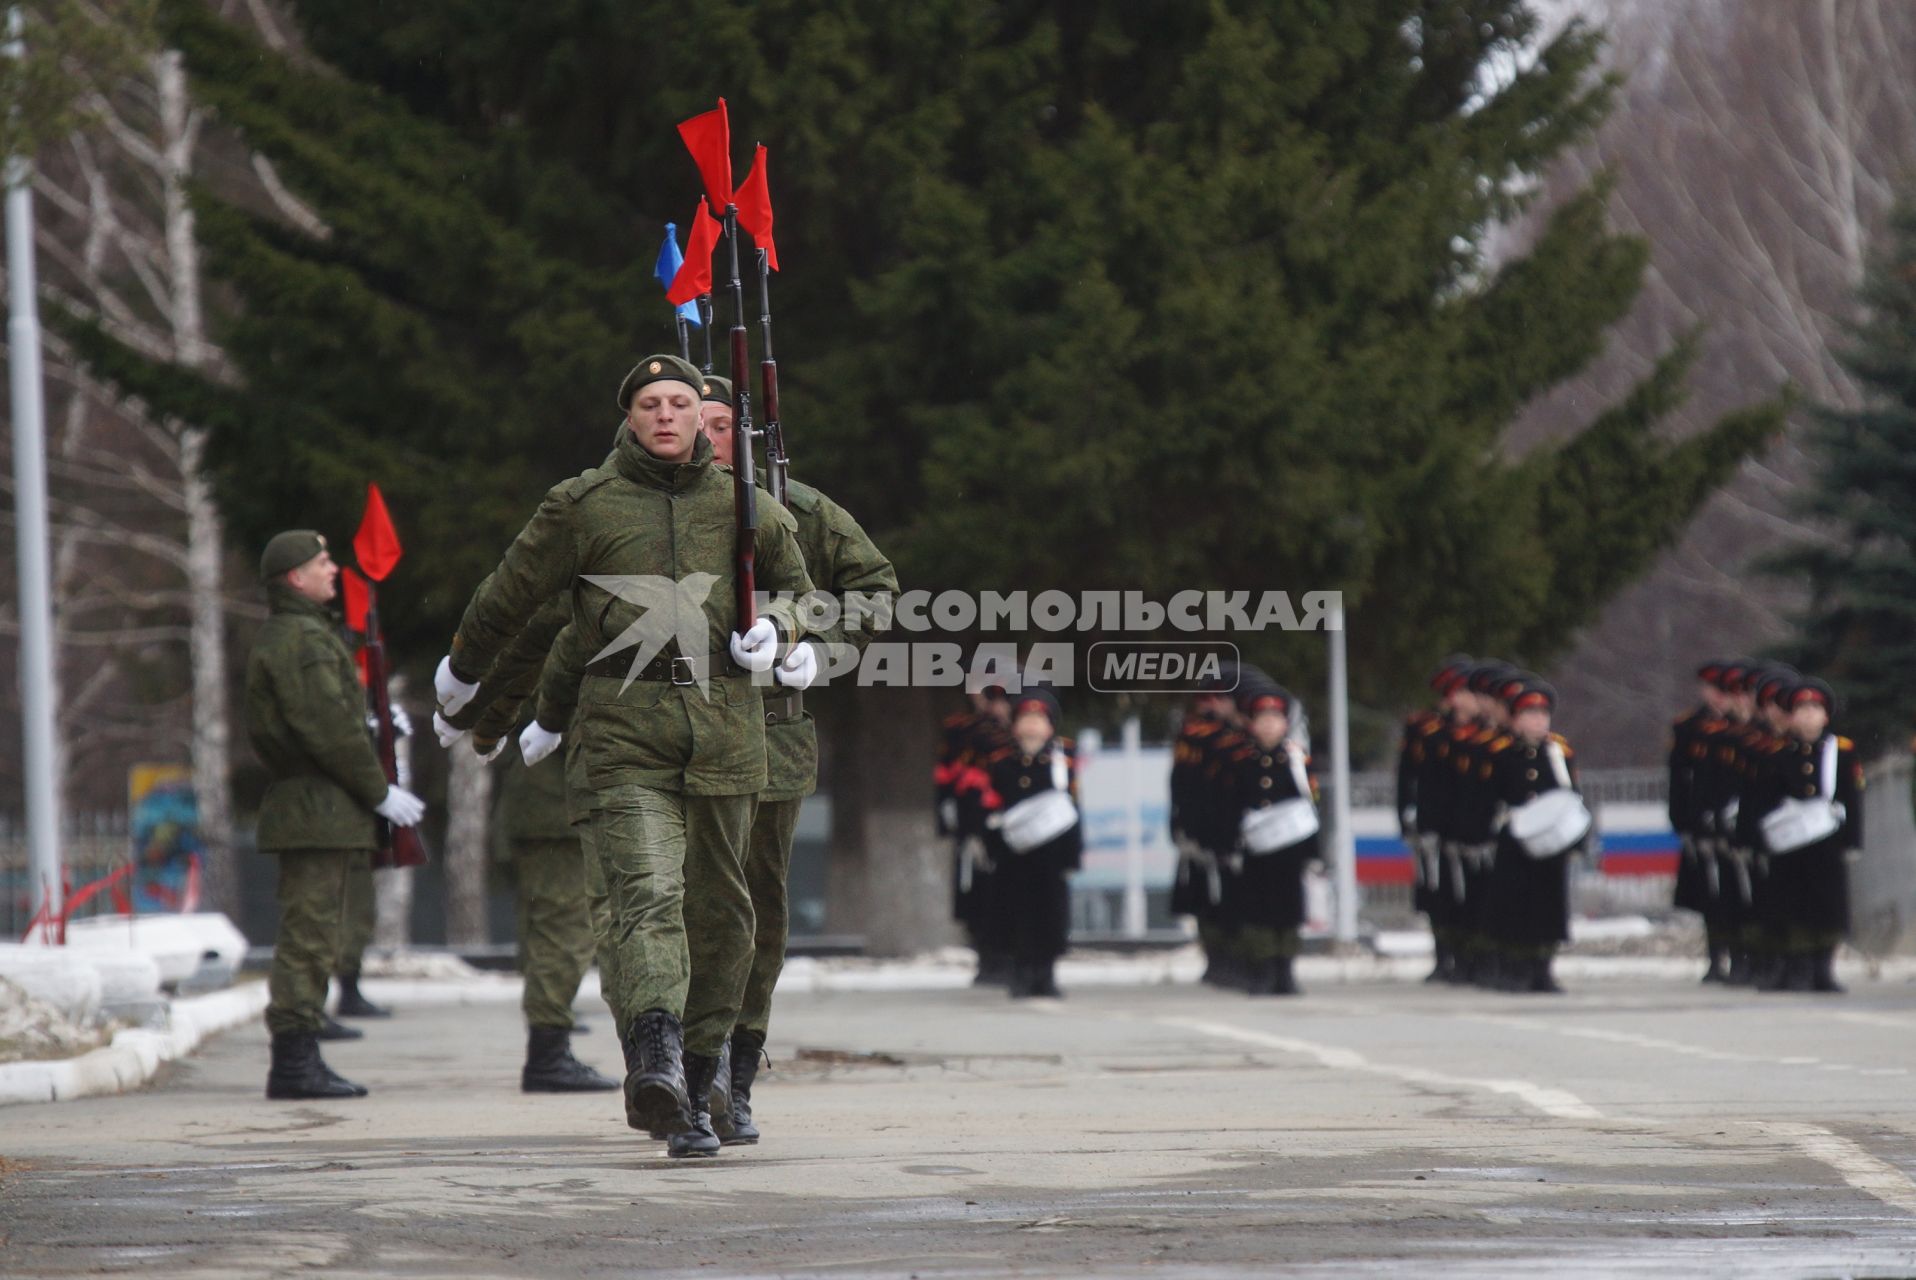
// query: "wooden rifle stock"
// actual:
[[398, 846]]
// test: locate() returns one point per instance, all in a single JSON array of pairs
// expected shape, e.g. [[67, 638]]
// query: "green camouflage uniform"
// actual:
[[840, 558], [360, 914], [306, 715], [674, 769]]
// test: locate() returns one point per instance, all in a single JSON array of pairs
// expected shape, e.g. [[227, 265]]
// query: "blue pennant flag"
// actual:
[[670, 260]]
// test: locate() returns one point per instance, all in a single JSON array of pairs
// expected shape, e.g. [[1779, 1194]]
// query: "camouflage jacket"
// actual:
[[306, 715]]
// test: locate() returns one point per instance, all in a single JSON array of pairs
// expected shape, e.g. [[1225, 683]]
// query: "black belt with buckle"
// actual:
[[679, 671]]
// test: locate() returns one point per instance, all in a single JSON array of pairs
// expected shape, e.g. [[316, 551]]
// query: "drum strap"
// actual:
[[1829, 767], [1302, 779], [1060, 772], [1557, 765]]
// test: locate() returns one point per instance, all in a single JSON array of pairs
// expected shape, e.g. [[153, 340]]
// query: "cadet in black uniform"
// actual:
[[1696, 865], [1273, 808], [1818, 772], [1766, 924], [1198, 889], [1036, 840], [1532, 892], [968, 737], [1469, 839], [1717, 783], [1420, 796]]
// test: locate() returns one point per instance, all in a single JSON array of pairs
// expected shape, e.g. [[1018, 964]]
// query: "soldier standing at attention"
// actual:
[[306, 715], [841, 561], [1532, 890], [1197, 890], [675, 739], [1036, 839], [1816, 771], [1266, 778], [1420, 798], [967, 739], [1696, 866]]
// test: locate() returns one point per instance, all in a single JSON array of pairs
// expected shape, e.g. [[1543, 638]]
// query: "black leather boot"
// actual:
[[1542, 981], [1019, 987], [1287, 978], [551, 1068], [1799, 972], [742, 1054], [699, 1139], [994, 970], [1261, 978], [299, 1072], [1823, 978], [1440, 971], [354, 1005], [1716, 972], [719, 1096], [339, 1031], [1044, 980], [655, 1096]]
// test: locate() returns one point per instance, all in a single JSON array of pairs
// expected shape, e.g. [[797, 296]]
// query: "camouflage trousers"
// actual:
[[358, 933], [680, 911], [768, 868], [557, 927], [312, 904]]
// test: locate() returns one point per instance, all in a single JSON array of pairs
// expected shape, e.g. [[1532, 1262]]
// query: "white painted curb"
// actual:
[[135, 1054]]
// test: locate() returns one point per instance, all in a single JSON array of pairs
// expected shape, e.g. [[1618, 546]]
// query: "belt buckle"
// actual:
[[691, 675]]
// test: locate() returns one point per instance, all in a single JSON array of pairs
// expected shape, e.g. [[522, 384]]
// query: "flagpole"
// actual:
[[1343, 846], [685, 337], [705, 323]]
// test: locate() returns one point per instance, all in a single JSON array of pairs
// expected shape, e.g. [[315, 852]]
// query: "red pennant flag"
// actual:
[[376, 545], [695, 273], [709, 138], [754, 199], [359, 598]]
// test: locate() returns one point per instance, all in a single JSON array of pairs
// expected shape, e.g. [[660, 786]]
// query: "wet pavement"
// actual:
[[1624, 1129]]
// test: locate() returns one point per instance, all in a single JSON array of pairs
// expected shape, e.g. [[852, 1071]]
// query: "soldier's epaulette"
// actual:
[[802, 496], [1500, 742], [1563, 742], [1844, 744], [1483, 735], [585, 482]]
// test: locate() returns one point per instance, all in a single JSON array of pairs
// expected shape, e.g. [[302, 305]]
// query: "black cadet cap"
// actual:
[[717, 390], [1810, 689], [1040, 698], [659, 368], [289, 550]]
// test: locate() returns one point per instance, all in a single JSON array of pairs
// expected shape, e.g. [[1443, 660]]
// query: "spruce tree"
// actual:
[[1859, 628], [1151, 296]]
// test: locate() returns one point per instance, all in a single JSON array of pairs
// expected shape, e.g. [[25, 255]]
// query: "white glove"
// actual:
[[799, 669], [402, 723], [538, 742], [453, 692], [757, 649], [446, 734], [401, 807]]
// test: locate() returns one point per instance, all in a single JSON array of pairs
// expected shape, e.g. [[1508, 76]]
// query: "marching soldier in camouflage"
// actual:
[[306, 715], [843, 563], [674, 742]]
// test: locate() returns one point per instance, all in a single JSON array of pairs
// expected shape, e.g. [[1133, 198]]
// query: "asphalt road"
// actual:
[[1625, 1129]]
